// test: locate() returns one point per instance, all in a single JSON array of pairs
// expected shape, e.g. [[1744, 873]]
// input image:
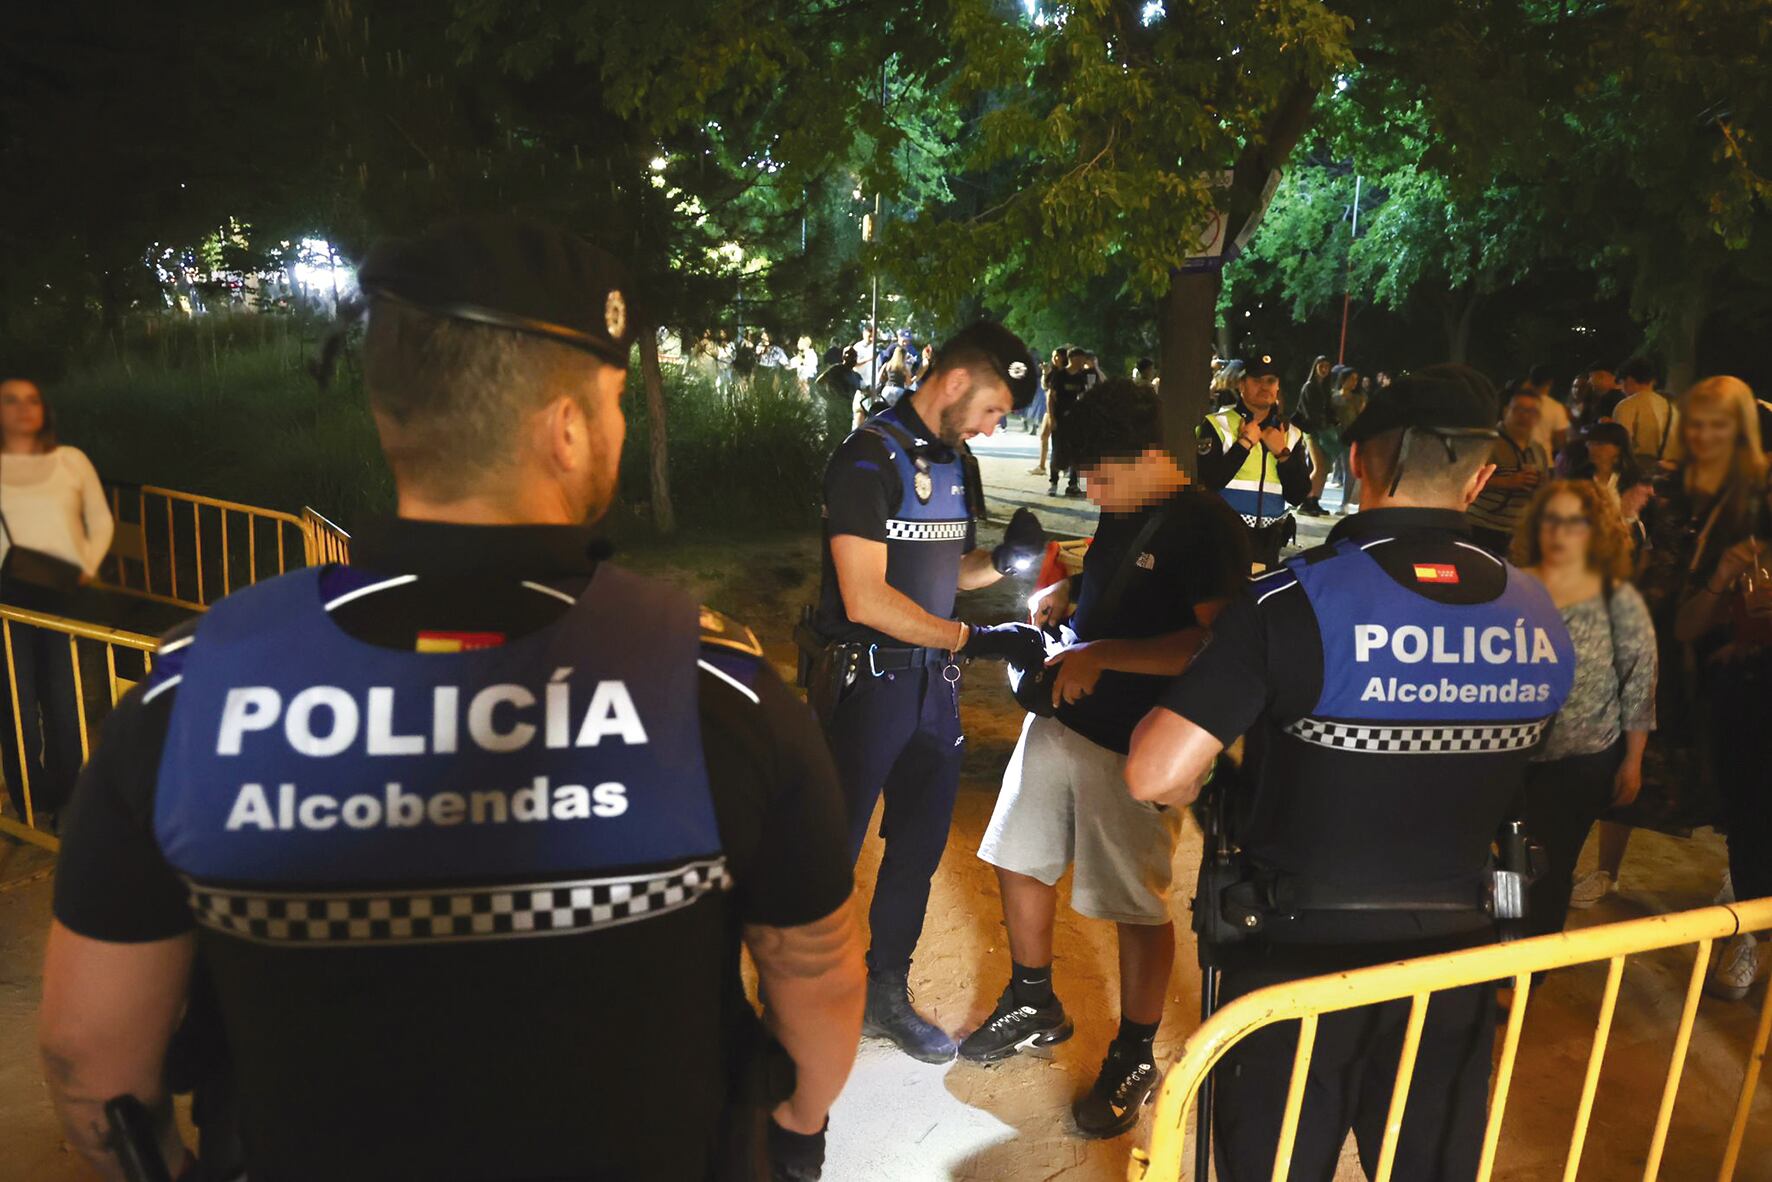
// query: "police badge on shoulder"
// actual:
[[923, 485]]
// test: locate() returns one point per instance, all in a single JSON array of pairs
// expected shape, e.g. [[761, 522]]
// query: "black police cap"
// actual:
[[1009, 357], [1446, 398], [510, 272], [1260, 364]]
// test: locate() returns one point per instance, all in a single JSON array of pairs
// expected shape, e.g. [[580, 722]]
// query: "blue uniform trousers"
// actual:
[[899, 734]]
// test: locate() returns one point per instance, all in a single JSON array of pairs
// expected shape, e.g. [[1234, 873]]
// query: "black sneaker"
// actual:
[[1127, 1080], [1012, 1028], [1073, 491], [891, 1015], [1311, 508]]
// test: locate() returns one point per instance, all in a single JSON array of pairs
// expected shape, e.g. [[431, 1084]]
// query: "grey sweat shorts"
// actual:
[[1064, 800]]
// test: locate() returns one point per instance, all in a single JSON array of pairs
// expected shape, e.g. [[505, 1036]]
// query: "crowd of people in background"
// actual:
[[1648, 517]]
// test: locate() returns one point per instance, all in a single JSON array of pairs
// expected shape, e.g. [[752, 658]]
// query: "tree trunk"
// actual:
[[1184, 335], [662, 513], [1457, 317], [1188, 312], [1679, 341]]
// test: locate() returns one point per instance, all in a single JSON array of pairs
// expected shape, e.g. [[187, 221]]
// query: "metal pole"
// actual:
[[1347, 276], [874, 314], [1203, 1131]]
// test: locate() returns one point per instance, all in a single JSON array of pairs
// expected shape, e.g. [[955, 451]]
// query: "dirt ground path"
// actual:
[[902, 1121]]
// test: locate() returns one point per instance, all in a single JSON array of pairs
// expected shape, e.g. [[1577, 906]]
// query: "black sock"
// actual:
[[1137, 1037], [1030, 986]]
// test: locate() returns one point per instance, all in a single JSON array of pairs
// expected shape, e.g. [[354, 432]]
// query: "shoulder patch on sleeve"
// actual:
[[722, 631]]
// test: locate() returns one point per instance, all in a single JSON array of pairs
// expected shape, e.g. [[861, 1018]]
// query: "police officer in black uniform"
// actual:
[[1391, 684], [464, 838], [901, 496]]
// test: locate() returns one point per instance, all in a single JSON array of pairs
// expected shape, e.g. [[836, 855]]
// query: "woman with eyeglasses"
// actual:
[[1572, 539]]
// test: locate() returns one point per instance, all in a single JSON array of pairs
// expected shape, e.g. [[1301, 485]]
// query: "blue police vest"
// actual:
[[1403, 674], [926, 535], [319, 789]]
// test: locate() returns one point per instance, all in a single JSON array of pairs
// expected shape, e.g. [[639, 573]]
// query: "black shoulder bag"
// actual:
[[35, 568]]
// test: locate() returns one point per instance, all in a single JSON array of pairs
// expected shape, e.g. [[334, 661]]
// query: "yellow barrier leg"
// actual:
[[1301, 1069], [18, 727], [1756, 1058], [1602, 1032], [1393, 1123], [1504, 1074], [1676, 1068]]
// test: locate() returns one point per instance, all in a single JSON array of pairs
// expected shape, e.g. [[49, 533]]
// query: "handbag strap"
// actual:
[[1116, 588], [3, 525]]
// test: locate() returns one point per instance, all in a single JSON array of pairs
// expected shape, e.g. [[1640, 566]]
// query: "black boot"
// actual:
[[891, 1015]]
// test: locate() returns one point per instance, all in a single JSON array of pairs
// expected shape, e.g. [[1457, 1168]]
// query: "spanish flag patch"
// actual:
[[457, 642], [1435, 572]]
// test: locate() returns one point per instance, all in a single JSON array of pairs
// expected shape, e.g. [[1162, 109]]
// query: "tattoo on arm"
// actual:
[[806, 950]]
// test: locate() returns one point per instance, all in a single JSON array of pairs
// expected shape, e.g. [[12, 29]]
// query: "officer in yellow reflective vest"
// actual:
[[1256, 460]]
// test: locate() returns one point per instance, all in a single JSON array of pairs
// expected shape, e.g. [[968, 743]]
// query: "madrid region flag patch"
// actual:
[[1435, 572]]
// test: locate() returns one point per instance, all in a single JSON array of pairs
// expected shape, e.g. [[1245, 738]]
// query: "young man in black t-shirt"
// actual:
[[1164, 559]]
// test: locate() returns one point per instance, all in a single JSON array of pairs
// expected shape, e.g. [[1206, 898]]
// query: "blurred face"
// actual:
[[1709, 432], [1604, 381], [21, 408], [1522, 414], [1127, 485], [1564, 531], [1321, 369], [976, 413], [1260, 394], [1604, 455], [1059, 359]]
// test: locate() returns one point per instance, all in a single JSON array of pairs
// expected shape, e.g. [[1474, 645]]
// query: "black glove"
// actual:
[[1023, 543], [796, 1157], [1019, 644]]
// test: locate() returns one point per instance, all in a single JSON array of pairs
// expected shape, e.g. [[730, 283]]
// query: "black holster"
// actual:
[[825, 669]]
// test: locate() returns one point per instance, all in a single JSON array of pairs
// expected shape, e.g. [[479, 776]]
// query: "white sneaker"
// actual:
[[1590, 888], [1727, 894], [1737, 969]]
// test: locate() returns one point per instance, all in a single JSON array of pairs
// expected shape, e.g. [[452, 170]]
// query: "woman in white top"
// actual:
[[51, 502]]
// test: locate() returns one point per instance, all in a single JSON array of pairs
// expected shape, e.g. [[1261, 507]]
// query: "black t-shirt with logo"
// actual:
[[1199, 552]]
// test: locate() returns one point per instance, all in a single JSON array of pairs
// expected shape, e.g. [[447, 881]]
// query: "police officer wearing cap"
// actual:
[[464, 839], [1391, 684], [1256, 459], [883, 651]]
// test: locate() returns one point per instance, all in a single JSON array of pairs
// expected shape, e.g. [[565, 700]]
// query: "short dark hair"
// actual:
[[456, 392], [1424, 455], [1120, 419], [979, 362], [1541, 375], [1639, 369], [1515, 388], [1600, 367]]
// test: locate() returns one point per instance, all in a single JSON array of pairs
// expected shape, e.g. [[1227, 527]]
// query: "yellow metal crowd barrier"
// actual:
[[1306, 1001], [189, 551], [170, 547], [105, 664], [327, 543]]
